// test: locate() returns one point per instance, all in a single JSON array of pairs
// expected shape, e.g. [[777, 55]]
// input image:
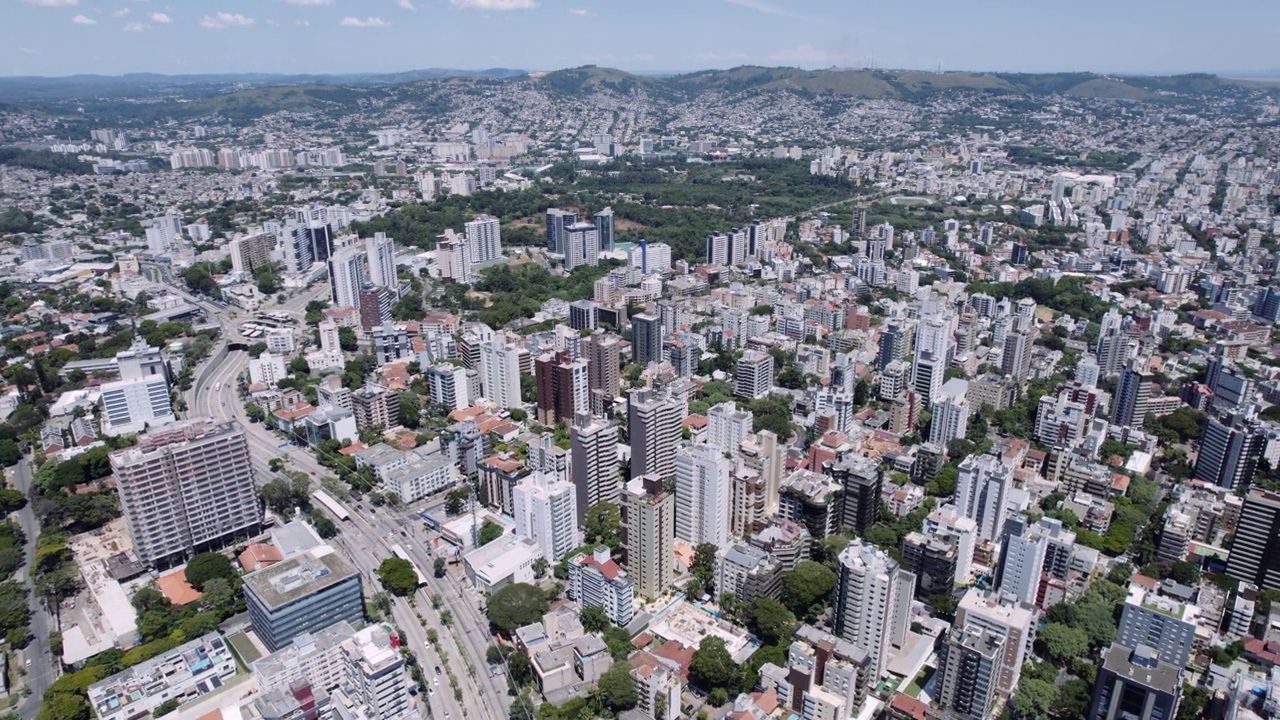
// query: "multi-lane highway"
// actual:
[[365, 540]]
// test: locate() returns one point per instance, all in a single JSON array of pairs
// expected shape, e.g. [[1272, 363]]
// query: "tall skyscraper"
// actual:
[[969, 665], [648, 521], [892, 345], [500, 373], [563, 387], [1014, 621], [557, 221], [546, 512], [1135, 684], [982, 490], [602, 351], [453, 256], [872, 607], [718, 249], [727, 426], [347, 274], [1015, 361], [1255, 550], [646, 339], [484, 237], [927, 374], [702, 496], [186, 487], [381, 254], [950, 413], [581, 246], [860, 481], [1133, 394], [596, 470], [604, 229], [753, 375], [654, 423], [1229, 452]]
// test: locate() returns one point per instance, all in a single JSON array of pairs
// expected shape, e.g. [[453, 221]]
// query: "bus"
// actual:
[[400, 553], [333, 506]]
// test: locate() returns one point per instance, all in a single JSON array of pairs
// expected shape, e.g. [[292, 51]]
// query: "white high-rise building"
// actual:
[[727, 426], [346, 276], [702, 495], [484, 236], [453, 256], [596, 469], [500, 373], [582, 246], [872, 607], [185, 486], [130, 406], [329, 338], [1023, 566], [381, 252], [950, 412], [654, 424], [449, 386], [753, 376], [982, 491], [546, 511]]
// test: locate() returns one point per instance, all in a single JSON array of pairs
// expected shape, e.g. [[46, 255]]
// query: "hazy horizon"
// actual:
[[59, 38]]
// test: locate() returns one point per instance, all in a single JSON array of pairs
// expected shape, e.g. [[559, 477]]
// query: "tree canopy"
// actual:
[[516, 605], [398, 576], [209, 565], [807, 589]]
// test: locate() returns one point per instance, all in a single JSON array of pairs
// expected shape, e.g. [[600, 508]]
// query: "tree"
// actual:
[[347, 341], [516, 605], [207, 566], [218, 596], [1033, 699], [771, 620], [398, 576], [1062, 642], [64, 707], [712, 666], [455, 501], [438, 567], [540, 566], [325, 527], [807, 589], [944, 485], [594, 619], [616, 688], [410, 412], [603, 525], [522, 708], [489, 531], [704, 566], [1073, 699], [150, 598]]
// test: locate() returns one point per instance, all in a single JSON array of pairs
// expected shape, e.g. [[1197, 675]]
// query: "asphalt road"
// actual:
[[365, 539], [44, 668]]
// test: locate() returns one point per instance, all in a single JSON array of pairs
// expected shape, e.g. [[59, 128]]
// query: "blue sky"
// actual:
[[62, 37]]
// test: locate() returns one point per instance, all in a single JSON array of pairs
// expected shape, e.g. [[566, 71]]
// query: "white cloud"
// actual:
[[53, 3], [369, 22], [495, 4], [120, 13], [161, 18], [580, 12], [303, 23], [764, 7], [225, 20], [29, 51], [407, 5], [84, 20], [135, 27], [309, 3]]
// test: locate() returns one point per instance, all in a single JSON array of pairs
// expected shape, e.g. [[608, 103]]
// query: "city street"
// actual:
[[43, 668], [366, 538]]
